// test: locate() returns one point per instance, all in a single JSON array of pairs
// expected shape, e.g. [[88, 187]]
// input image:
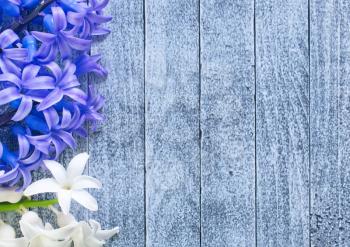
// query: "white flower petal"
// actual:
[[48, 227], [77, 165], [91, 235], [40, 235], [85, 199], [61, 233], [10, 195], [65, 219], [102, 234], [83, 236], [31, 225], [48, 185], [86, 182], [43, 241], [95, 226], [64, 199], [57, 170], [107, 234], [93, 242], [19, 242], [78, 235], [6, 231]]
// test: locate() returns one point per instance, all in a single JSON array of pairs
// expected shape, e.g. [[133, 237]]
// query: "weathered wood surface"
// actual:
[[117, 149], [282, 129], [189, 158], [330, 123], [227, 123], [172, 123]]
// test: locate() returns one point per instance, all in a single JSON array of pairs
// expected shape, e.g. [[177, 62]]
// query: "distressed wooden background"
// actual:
[[228, 123]]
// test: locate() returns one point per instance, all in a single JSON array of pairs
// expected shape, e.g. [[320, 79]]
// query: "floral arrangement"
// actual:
[[68, 185], [44, 52]]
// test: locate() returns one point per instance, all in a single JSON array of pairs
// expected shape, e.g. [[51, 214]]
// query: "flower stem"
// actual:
[[17, 26], [8, 207]]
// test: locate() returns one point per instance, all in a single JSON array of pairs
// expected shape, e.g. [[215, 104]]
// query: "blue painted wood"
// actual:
[[203, 192], [117, 149], [172, 123], [227, 123], [282, 129], [330, 123]]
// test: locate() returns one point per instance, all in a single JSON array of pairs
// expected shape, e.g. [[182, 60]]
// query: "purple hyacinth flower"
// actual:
[[92, 107], [25, 167], [11, 7], [71, 5], [66, 84], [89, 22], [42, 143], [46, 105], [86, 64], [24, 147], [21, 88], [59, 39], [61, 131], [8, 173], [30, 43], [29, 4], [9, 53], [14, 170]]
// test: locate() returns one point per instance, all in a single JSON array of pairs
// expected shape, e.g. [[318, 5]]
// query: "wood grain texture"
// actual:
[[330, 123], [117, 149], [282, 130], [172, 123], [227, 123], [188, 157]]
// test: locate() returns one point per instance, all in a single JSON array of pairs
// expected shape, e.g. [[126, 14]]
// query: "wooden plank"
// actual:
[[330, 123], [117, 149], [172, 123], [282, 127], [227, 123]]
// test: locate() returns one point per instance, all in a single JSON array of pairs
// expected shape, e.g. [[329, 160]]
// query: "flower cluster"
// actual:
[[68, 184], [44, 53], [40, 81]]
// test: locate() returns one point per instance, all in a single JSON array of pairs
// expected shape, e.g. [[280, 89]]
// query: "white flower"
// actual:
[[90, 234], [10, 195], [6, 231], [86, 234], [18, 242], [68, 184], [36, 234], [8, 236]]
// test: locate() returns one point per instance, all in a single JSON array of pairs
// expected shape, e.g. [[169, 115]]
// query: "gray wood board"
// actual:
[[330, 123], [188, 158], [172, 123], [227, 123], [282, 129], [117, 149]]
